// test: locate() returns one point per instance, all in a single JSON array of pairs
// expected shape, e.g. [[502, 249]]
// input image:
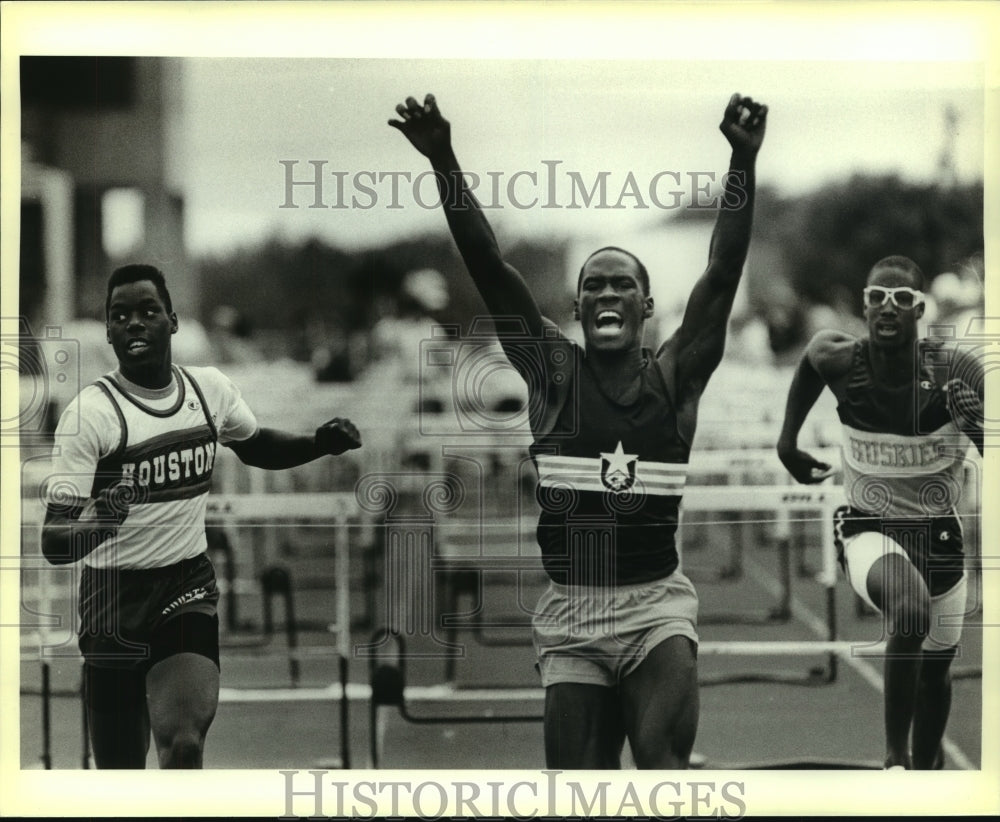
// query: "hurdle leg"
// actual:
[[830, 580], [46, 717], [387, 680], [456, 582], [734, 568], [291, 634], [342, 559], [277, 581], [447, 603], [85, 723], [783, 611]]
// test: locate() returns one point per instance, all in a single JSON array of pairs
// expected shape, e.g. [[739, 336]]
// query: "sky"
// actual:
[[242, 117]]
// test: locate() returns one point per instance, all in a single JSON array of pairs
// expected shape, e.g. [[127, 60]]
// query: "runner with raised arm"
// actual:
[[612, 424]]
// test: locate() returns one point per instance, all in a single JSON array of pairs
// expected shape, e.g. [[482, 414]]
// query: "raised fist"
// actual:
[[744, 123], [337, 436]]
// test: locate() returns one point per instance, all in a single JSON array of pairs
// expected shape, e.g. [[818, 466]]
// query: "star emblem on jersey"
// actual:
[[618, 469]]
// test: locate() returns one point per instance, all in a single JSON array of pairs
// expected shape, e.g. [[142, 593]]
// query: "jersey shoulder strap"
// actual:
[[123, 441], [201, 397]]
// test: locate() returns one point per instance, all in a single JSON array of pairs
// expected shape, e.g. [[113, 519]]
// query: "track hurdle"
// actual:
[[335, 510], [387, 652]]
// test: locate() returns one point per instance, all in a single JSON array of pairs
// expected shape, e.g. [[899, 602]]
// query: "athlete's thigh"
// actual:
[[660, 705], [893, 582], [183, 680], [583, 726], [183, 694], [116, 713]]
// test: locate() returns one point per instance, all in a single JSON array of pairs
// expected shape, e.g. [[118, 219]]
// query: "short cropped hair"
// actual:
[[904, 264], [643, 274], [135, 273]]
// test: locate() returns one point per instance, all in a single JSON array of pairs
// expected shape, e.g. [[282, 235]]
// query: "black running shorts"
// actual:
[[129, 618]]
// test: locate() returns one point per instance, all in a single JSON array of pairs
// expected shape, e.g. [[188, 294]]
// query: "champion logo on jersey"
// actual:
[[194, 405], [945, 536], [618, 469], [926, 385]]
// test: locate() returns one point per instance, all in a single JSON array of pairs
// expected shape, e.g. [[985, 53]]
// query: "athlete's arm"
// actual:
[[74, 528], [75, 521], [823, 359], [701, 338], [501, 286], [966, 378], [274, 449]]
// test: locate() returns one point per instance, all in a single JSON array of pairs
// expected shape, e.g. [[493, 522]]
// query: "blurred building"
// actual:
[[100, 185]]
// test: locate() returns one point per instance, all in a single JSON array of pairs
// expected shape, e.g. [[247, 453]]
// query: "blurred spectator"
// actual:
[[954, 301], [231, 337], [397, 338]]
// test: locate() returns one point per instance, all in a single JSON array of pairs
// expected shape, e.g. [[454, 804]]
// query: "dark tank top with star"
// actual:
[[610, 479]]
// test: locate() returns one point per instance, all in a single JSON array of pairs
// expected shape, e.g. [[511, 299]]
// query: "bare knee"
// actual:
[[181, 749], [660, 746], [656, 753], [935, 671], [899, 591], [909, 618]]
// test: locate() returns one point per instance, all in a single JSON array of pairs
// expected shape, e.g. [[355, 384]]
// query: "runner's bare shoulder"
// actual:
[[830, 353]]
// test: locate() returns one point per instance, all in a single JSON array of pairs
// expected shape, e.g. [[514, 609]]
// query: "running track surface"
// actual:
[[743, 725]]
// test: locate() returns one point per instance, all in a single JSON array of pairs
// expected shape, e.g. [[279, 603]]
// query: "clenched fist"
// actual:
[[337, 436]]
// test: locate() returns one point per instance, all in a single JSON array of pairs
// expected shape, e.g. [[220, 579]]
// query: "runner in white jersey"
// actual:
[[612, 424], [908, 409], [127, 496]]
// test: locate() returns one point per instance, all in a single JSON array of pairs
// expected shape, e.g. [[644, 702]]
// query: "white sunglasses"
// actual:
[[903, 297]]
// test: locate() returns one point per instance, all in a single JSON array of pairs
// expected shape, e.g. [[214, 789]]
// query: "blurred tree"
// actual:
[[833, 236], [312, 291], [817, 249]]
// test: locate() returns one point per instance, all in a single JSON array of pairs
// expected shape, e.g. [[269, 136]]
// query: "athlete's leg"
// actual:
[[934, 686], [660, 703], [932, 708], [583, 726], [182, 687], [117, 716], [183, 696], [900, 593]]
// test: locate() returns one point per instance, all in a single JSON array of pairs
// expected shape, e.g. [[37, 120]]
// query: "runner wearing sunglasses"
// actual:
[[908, 407]]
